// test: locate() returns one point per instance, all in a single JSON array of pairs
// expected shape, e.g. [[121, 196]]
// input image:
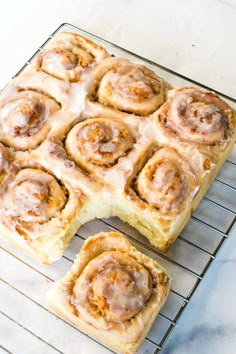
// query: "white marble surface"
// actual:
[[195, 38]]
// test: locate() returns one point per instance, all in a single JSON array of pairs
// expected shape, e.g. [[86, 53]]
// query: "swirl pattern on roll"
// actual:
[[196, 115], [31, 200], [166, 182], [128, 87], [113, 292], [24, 119], [99, 141], [69, 55], [113, 288], [114, 284]]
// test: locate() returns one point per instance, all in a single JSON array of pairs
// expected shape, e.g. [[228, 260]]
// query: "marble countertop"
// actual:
[[194, 38]]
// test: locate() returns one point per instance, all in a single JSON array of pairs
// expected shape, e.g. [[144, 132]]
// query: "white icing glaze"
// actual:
[[99, 141], [166, 181], [30, 197], [127, 86], [68, 55], [116, 285]]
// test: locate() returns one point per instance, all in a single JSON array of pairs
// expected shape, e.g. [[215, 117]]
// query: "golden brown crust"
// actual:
[[112, 292]]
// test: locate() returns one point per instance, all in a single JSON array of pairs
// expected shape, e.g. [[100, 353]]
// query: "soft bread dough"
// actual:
[[112, 292]]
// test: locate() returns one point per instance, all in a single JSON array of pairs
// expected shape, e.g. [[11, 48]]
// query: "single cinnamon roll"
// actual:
[[196, 116], [112, 292], [24, 119], [128, 87], [166, 182], [99, 141], [69, 55], [37, 212]]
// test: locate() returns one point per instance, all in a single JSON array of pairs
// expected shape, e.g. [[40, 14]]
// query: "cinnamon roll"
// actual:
[[122, 85], [38, 212], [25, 119], [98, 142], [112, 292], [157, 197], [196, 116], [166, 182], [69, 55]]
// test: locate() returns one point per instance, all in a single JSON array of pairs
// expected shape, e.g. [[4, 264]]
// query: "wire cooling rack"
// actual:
[[27, 323]]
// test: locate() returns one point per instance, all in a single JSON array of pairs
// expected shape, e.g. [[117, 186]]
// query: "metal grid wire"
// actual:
[[187, 261]]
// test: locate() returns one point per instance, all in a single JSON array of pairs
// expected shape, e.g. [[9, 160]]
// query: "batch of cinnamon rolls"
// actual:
[[85, 135]]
